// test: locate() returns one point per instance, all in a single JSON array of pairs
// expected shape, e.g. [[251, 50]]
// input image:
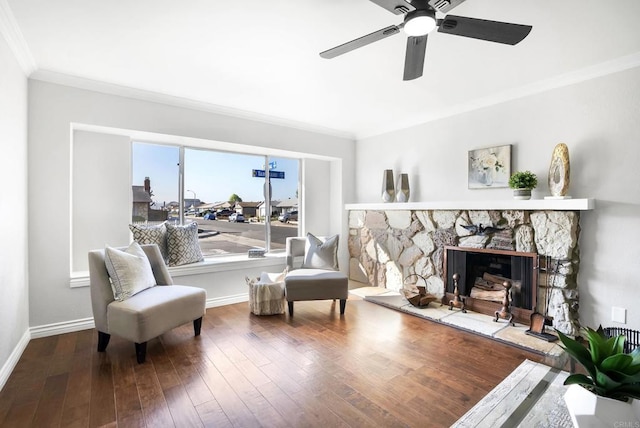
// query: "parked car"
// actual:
[[236, 218], [288, 216], [225, 212], [210, 216]]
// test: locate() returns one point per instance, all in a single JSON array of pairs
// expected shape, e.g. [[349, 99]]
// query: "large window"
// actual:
[[223, 192]]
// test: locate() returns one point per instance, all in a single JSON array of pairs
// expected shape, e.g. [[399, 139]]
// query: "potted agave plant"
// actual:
[[522, 182], [609, 394]]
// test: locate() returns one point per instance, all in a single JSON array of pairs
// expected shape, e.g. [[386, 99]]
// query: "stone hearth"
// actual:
[[470, 321], [385, 247]]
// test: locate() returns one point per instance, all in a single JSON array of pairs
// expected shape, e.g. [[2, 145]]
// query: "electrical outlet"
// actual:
[[619, 315]]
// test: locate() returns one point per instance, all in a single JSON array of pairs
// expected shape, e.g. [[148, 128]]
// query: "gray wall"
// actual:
[[598, 119], [101, 176], [54, 108], [14, 302]]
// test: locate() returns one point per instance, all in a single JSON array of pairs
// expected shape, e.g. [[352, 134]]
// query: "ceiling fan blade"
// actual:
[[492, 31], [444, 6], [360, 42], [414, 58], [395, 6]]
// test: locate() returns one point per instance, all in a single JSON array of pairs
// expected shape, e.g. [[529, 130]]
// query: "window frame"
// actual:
[[215, 264]]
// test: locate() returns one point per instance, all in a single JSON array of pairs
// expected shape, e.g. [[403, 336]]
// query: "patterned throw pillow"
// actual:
[[319, 254], [151, 234], [129, 270], [182, 244]]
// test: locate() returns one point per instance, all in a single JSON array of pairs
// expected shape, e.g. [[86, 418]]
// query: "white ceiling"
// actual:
[[262, 56]]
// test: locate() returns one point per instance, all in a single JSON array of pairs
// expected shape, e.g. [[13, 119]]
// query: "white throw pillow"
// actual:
[[182, 244], [129, 270], [151, 234], [319, 254]]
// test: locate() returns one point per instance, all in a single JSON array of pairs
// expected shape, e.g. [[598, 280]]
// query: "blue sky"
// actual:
[[213, 176]]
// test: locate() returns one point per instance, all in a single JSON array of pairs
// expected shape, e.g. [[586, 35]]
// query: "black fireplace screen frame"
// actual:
[[523, 266]]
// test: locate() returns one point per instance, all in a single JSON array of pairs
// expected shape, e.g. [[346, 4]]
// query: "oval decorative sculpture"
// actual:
[[559, 171]]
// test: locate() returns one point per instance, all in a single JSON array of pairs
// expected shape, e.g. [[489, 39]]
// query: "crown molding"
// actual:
[[11, 31], [577, 76], [584, 74], [175, 101]]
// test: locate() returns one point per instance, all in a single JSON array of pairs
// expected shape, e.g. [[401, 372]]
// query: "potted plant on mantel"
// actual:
[[609, 395], [522, 182]]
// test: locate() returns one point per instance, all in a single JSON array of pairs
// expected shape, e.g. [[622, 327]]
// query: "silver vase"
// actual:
[[388, 191], [402, 188]]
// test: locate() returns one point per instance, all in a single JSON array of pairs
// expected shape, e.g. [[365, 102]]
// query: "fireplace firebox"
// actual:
[[481, 274]]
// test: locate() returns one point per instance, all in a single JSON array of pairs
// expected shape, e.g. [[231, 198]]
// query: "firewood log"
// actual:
[[486, 285], [425, 300], [495, 278], [491, 295]]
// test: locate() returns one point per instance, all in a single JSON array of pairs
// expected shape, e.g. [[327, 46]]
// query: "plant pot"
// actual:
[[590, 410], [522, 194]]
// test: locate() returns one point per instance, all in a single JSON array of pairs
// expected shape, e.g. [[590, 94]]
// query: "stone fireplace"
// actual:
[[387, 244]]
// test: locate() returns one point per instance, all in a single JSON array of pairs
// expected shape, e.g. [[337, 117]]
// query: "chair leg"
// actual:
[[290, 308], [141, 352], [103, 341], [197, 325], [343, 304]]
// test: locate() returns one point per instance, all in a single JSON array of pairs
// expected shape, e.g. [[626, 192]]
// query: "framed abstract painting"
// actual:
[[489, 168]]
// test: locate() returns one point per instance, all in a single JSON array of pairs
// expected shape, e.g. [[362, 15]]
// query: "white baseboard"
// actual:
[[227, 300], [8, 367], [61, 327]]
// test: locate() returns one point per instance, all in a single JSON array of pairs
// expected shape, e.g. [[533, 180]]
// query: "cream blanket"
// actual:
[[266, 294]]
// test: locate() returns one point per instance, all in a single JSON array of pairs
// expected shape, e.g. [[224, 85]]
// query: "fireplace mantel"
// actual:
[[583, 204]]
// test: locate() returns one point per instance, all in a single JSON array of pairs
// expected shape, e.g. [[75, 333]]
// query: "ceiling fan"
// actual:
[[420, 19]]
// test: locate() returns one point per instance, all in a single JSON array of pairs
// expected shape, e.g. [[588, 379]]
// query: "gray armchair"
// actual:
[[302, 283], [147, 314]]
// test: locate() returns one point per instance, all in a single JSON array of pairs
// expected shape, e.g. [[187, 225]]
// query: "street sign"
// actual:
[[272, 165], [260, 173]]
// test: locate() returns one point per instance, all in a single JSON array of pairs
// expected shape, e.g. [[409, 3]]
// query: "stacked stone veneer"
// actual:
[[385, 247]]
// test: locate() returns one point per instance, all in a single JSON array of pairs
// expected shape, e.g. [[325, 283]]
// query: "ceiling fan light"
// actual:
[[419, 22]]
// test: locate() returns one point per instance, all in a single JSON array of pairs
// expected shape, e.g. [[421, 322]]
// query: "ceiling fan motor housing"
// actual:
[[420, 22]]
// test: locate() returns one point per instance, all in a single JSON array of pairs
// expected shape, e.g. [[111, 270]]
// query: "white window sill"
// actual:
[[214, 264]]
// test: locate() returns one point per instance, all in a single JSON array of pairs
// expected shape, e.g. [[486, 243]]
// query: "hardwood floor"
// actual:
[[372, 367]]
